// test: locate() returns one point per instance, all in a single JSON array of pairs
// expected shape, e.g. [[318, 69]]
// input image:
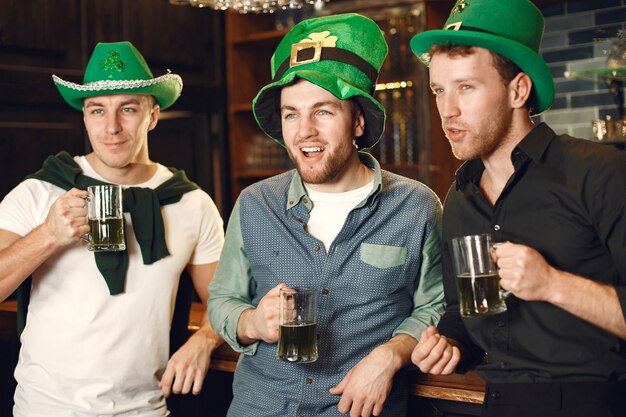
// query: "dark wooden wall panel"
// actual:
[[41, 33], [23, 147], [41, 38]]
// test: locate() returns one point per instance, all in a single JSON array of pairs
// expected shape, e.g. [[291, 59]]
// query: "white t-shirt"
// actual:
[[85, 352], [330, 211]]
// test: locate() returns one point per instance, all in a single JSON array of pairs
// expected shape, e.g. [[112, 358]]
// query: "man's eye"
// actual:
[[437, 90], [289, 115], [323, 112], [128, 110], [97, 111], [466, 87]]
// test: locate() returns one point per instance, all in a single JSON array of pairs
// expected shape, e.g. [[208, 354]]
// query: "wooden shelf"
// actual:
[[241, 107], [269, 39]]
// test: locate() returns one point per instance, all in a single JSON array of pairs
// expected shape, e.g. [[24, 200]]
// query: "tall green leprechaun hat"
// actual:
[[511, 28], [340, 53], [119, 68]]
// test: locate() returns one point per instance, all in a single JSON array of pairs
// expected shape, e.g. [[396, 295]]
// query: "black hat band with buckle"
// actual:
[[307, 52]]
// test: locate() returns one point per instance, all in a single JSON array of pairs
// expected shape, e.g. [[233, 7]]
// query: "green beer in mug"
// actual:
[[477, 279], [106, 218], [297, 339]]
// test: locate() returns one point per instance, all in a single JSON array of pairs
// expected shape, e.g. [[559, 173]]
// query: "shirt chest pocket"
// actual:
[[383, 256]]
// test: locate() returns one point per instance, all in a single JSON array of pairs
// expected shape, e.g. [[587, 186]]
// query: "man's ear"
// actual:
[[154, 116], [519, 90], [359, 124]]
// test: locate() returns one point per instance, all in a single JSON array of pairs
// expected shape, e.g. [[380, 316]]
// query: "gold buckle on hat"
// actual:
[[297, 47]]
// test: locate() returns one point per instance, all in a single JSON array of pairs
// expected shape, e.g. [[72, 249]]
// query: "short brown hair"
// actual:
[[505, 67]]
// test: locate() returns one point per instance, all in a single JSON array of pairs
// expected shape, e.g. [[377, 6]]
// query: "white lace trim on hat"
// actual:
[[116, 84]]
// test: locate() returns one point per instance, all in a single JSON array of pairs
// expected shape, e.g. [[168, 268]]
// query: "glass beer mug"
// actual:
[[297, 339], [106, 218], [478, 282]]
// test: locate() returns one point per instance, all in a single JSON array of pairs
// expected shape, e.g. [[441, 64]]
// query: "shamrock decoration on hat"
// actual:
[[119, 68]]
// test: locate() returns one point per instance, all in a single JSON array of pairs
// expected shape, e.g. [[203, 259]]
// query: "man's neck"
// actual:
[[498, 165], [131, 174]]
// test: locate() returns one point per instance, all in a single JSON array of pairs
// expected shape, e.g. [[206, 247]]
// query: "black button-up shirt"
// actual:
[[566, 199]]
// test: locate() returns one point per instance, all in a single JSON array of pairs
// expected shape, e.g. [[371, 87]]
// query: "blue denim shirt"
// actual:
[[380, 276]]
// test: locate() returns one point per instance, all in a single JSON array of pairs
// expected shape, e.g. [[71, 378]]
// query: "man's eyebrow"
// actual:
[[315, 105], [92, 103], [89, 102]]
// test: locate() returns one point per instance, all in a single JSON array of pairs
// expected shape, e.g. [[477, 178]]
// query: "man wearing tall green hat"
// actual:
[[555, 205], [97, 329], [364, 239]]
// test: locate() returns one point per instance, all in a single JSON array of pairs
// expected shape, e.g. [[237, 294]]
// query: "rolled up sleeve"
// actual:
[[229, 292], [428, 298]]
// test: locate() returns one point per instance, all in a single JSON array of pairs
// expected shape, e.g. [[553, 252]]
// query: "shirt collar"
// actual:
[[536, 142], [532, 146], [297, 192]]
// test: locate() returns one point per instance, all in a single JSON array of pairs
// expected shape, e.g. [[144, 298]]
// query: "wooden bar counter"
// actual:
[[467, 388]]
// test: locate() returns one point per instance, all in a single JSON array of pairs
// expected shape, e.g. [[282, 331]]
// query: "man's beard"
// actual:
[[331, 168], [486, 141]]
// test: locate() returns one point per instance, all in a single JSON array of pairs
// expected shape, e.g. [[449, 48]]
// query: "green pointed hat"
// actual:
[[340, 53], [511, 28], [119, 68]]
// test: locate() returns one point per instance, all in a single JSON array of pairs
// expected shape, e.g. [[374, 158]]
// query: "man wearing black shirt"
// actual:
[[556, 203]]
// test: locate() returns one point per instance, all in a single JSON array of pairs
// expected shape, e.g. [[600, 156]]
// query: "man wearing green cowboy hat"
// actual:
[[557, 206], [365, 239], [96, 340]]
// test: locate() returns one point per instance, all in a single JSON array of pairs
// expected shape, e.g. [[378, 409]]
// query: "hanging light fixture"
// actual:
[[252, 6]]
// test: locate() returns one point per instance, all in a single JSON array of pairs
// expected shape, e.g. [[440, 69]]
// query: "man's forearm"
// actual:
[[20, 256], [206, 330], [590, 300], [244, 330], [399, 349]]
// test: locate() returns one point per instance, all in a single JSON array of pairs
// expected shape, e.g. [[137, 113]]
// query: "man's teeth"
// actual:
[[308, 151]]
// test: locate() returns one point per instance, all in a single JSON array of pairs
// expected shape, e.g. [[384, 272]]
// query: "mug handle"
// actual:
[[504, 293], [85, 237]]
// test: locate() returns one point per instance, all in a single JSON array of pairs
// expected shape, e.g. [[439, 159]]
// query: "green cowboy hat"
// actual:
[[511, 28], [343, 55], [119, 68]]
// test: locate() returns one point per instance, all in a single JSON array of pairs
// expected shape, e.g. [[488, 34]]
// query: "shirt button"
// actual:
[[500, 323], [290, 202], [316, 248], [325, 291], [305, 200], [502, 365], [495, 395], [309, 381], [496, 227]]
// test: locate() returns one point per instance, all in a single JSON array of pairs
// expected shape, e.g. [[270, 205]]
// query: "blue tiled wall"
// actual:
[[575, 39]]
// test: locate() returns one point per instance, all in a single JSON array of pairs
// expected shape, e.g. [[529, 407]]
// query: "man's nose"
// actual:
[[113, 125], [306, 127], [448, 106]]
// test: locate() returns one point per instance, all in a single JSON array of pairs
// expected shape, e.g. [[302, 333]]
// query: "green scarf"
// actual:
[[144, 205]]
